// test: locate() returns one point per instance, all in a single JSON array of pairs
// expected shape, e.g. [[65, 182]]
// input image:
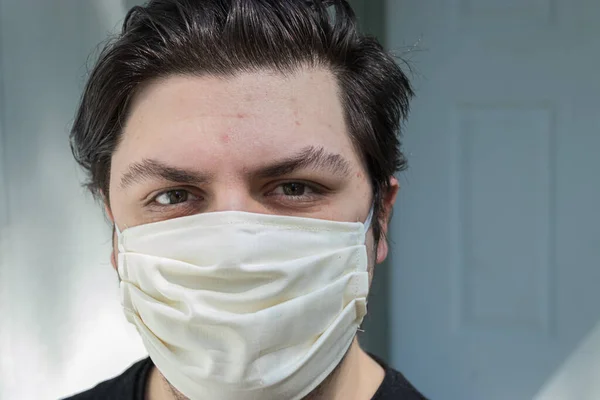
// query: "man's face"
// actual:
[[258, 142]]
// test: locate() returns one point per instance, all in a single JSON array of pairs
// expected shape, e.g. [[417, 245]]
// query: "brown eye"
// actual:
[[172, 197], [296, 194], [293, 189]]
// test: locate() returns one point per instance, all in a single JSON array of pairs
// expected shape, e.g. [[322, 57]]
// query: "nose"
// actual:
[[236, 198]]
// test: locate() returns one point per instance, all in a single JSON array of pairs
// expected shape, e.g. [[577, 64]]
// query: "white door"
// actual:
[[496, 254]]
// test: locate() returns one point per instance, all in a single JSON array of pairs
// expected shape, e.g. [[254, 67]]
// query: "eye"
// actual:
[[172, 197], [293, 189], [297, 194], [296, 191]]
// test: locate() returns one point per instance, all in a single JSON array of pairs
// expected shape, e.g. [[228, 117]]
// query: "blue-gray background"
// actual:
[[491, 290]]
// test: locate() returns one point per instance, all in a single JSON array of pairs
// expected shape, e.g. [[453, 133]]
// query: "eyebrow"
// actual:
[[149, 168], [310, 157]]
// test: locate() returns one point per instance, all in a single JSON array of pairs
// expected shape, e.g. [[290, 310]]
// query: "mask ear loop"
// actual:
[[366, 227], [119, 236], [369, 220], [119, 246]]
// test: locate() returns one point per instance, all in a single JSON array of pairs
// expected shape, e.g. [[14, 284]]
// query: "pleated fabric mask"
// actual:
[[244, 306]]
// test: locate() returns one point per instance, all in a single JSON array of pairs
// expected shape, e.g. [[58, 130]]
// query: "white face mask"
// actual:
[[236, 305]]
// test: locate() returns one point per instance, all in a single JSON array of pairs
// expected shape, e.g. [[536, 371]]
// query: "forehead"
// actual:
[[203, 120]]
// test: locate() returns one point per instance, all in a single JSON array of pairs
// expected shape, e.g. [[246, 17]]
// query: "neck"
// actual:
[[357, 378]]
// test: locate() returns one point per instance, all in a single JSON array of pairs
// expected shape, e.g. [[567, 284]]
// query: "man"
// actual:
[[245, 151]]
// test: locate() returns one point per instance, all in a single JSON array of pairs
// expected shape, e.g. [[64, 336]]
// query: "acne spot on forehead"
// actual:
[[225, 138]]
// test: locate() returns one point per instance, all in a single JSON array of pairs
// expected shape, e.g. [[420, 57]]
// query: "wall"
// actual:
[[61, 328], [497, 230]]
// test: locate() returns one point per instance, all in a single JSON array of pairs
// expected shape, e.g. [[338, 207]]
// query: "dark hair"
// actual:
[[225, 37]]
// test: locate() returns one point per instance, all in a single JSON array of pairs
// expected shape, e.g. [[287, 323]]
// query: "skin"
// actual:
[[223, 137]]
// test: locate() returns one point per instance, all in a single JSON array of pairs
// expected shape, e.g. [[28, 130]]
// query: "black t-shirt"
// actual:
[[131, 385]]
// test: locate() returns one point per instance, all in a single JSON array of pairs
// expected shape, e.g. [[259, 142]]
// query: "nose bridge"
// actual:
[[234, 196]]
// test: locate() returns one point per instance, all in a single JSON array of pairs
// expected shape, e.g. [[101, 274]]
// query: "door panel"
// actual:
[[496, 249]]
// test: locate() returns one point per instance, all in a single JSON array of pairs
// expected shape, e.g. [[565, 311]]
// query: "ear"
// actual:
[[109, 214], [389, 198]]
